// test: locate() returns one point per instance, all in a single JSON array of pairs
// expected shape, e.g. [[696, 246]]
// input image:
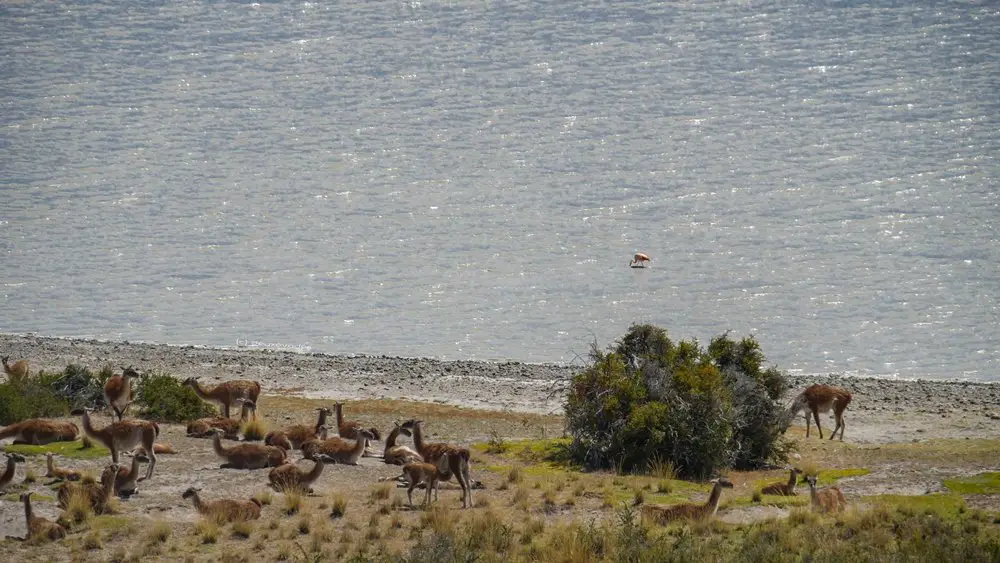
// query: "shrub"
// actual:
[[649, 401], [29, 399], [165, 399], [77, 385]]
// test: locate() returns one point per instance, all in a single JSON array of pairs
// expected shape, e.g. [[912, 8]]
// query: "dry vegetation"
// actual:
[[532, 508]]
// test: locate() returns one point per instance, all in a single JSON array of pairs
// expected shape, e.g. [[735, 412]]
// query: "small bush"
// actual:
[[339, 507], [165, 399], [650, 404], [254, 430], [29, 399]]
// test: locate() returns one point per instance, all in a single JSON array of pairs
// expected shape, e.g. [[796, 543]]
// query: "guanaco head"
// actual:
[[130, 372], [17, 457], [366, 434], [412, 423], [190, 492], [811, 479], [191, 381], [26, 496], [723, 482], [5, 359]]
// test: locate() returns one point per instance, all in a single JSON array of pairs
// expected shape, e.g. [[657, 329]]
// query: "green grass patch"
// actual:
[[981, 484], [16, 497], [552, 450], [940, 504], [73, 449]]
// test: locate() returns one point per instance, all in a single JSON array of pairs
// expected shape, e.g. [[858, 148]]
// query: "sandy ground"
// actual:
[[882, 412]]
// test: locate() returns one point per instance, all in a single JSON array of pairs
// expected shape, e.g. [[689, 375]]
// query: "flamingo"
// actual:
[[639, 260]]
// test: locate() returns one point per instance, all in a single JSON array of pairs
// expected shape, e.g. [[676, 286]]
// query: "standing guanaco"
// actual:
[[822, 398]]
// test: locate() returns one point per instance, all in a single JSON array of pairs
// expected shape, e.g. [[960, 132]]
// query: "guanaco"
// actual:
[[118, 391], [782, 488], [158, 448], [288, 476], [664, 514], [399, 454], [247, 456], [226, 393], [350, 428], [8, 474], [455, 463], [124, 435], [224, 510], [420, 472], [822, 398], [338, 450], [39, 528], [126, 479], [97, 495], [40, 431], [204, 427], [18, 371], [292, 437], [829, 499], [59, 474]]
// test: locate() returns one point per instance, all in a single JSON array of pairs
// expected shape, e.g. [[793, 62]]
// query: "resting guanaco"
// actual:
[[455, 463], [97, 495], [118, 391], [204, 427], [158, 448], [350, 428], [399, 454], [8, 474], [59, 474], [247, 456], [40, 431], [338, 450], [226, 393], [829, 499], [126, 480], [17, 371], [664, 514], [123, 436], [782, 488], [822, 398], [292, 437], [39, 528], [288, 476], [224, 510]]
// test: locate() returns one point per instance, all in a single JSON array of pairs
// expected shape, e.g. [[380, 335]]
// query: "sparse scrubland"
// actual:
[[554, 488]]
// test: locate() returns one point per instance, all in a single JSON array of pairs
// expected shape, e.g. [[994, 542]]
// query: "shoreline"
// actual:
[[883, 409]]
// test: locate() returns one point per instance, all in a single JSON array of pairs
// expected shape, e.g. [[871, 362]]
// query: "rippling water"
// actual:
[[469, 179]]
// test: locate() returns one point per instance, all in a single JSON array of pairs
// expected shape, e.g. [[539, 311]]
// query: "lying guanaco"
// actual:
[[158, 448], [123, 436], [40, 431], [8, 474], [456, 462], [783, 488], [18, 371], [663, 514], [118, 391], [126, 480], [97, 495], [288, 476], [39, 528], [59, 474], [829, 499], [292, 437], [226, 393], [204, 427], [399, 454], [224, 510], [247, 456], [350, 429], [338, 450], [822, 398]]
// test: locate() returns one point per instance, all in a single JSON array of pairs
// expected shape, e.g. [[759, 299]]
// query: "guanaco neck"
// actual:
[[359, 445], [317, 470], [217, 445], [245, 413], [89, 429], [51, 465], [812, 493], [418, 438], [201, 391], [390, 440], [8, 473], [791, 481], [339, 408], [134, 471], [713, 499], [28, 513], [197, 503], [321, 420]]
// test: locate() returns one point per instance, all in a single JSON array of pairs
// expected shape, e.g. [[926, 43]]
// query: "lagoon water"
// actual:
[[468, 180]]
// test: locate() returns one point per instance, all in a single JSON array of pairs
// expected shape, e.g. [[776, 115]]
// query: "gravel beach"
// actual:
[[882, 410]]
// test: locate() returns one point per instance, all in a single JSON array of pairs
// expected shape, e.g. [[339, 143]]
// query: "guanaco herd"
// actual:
[[424, 464]]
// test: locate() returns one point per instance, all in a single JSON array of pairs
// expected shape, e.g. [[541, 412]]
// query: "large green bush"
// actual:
[[650, 401], [77, 385], [29, 399], [164, 398]]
